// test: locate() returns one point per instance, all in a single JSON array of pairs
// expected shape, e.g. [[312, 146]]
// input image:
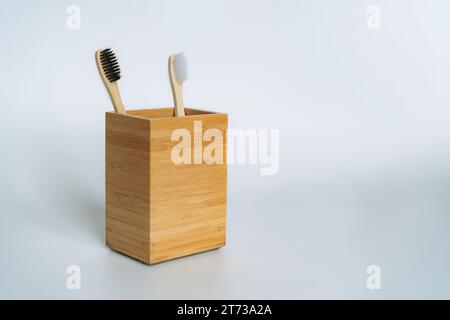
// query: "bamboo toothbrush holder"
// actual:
[[157, 208]]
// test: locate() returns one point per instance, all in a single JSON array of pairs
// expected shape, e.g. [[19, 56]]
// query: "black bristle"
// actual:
[[110, 65]]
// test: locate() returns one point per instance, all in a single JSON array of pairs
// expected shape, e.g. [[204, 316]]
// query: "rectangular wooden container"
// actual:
[[157, 210]]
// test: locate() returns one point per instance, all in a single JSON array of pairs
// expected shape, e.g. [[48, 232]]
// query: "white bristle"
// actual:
[[180, 66]]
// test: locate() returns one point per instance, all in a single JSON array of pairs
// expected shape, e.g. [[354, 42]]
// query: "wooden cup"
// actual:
[[157, 210]]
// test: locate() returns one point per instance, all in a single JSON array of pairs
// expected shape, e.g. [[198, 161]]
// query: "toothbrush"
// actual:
[[178, 75], [109, 70]]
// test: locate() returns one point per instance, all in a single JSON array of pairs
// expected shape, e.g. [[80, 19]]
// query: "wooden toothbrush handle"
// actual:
[[177, 90], [114, 94]]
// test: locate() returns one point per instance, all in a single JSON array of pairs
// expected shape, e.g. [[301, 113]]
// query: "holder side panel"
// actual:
[[188, 201], [127, 185]]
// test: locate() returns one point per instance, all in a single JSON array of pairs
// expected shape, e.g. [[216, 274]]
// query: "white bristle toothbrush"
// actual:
[[178, 75]]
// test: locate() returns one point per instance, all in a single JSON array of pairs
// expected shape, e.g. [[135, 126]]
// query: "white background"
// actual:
[[364, 124]]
